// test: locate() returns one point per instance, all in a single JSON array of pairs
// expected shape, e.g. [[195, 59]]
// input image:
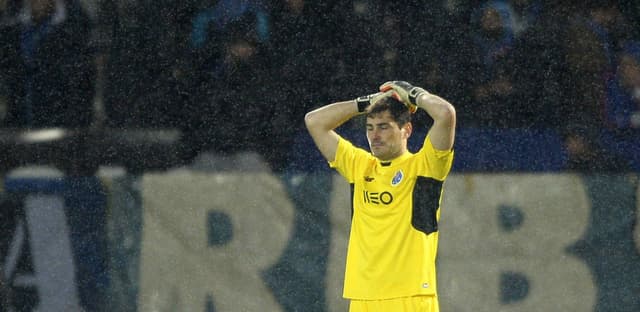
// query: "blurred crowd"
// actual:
[[236, 75]]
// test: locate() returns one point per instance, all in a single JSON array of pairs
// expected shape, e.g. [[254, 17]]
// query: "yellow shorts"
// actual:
[[404, 304]]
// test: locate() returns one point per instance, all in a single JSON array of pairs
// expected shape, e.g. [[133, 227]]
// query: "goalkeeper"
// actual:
[[391, 257]]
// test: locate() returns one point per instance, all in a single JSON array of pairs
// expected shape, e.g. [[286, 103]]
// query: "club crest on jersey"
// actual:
[[397, 178]]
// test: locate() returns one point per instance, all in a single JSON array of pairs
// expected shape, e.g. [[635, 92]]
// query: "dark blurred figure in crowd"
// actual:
[[452, 58], [622, 109], [595, 32], [231, 105], [488, 68], [623, 89], [363, 50], [300, 53], [214, 31], [141, 46], [47, 66], [539, 70], [439, 49]]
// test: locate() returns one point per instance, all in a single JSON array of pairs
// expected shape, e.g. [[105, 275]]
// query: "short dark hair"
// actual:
[[399, 112]]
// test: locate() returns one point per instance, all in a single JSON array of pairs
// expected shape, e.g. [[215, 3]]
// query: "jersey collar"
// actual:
[[399, 159]]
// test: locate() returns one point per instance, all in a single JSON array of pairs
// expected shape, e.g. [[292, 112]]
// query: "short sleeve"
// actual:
[[438, 162], [347, 157]]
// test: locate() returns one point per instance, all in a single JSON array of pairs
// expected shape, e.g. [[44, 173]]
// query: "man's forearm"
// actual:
[[437, 107], [321, 123], [331, 116]]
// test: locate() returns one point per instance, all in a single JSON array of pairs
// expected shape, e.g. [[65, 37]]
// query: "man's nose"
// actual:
[[375, 133]]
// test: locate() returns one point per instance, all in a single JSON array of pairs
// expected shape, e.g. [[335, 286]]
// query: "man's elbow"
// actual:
[[309, 120], [447, 114]]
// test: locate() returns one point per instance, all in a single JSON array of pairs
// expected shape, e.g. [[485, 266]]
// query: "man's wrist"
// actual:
[[422, 94]]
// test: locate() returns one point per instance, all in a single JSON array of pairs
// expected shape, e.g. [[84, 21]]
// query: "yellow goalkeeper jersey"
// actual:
[[394, 227]]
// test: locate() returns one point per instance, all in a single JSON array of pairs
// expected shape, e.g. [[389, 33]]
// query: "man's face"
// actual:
[[386, 139], [491, 21], [241, 50]]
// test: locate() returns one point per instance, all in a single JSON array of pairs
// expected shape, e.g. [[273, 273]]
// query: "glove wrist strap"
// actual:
[[363, 102], [414, 94]]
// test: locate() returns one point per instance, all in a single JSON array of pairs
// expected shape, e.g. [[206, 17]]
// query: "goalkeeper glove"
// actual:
[[367, 100], [404, 92]]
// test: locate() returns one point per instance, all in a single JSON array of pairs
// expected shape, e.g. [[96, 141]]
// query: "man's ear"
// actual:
[[408, 129]]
